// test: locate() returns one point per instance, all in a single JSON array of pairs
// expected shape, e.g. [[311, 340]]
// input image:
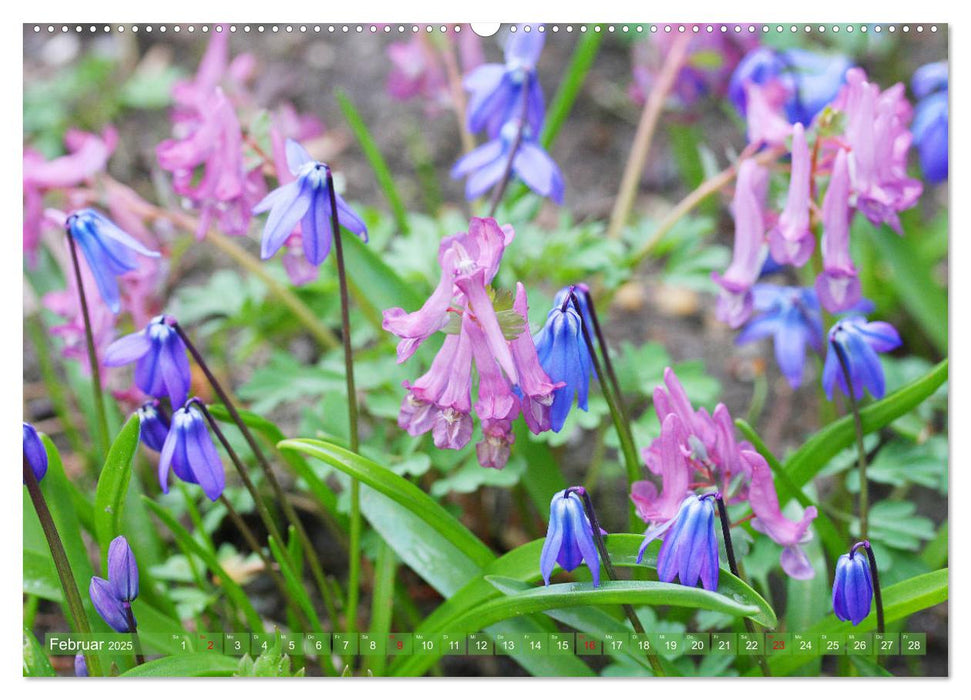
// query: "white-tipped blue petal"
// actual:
[[297, 156]]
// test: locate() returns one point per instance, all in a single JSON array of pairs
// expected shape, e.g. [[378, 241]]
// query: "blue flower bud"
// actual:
[[112, 610], [690, 547], [191, 454], [122, 570], [80, 666], [569, 539], [153, 426], [34, 451], [565, 357], [852, 587]]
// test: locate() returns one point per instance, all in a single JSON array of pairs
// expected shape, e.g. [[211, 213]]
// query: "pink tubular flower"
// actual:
[[791, 240], [750, 250], [665, 458], [418, 67], [878, 139], [765, 113], [534, 384], [770, 521], [838, 285]]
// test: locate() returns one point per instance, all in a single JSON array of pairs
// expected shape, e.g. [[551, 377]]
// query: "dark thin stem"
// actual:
[[602, 342], [99, 399], [609, 567], [75, 608], [254, 545], [354, 556], [877, 595], [733, 567], [616, 413], [309, 551], [133, 628], [860, 448], [503, 183]]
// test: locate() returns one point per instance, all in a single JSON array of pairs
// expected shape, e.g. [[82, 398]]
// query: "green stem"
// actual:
[[133, 629], [609, 568], [566, 95], [645, 134], [864, 503], [733, 567], [354, 564], [75, 608], [99, 399]]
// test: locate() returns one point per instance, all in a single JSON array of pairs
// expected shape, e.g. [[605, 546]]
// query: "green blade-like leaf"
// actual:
[[186, 666], [375, 284], [36, 663], [293, 582], [109, 500]]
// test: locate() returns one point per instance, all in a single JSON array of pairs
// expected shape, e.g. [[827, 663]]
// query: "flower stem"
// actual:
[[99, 399], [864, 502], [877, 595], [503, 183], [645, 134], [292, 517], [354, 564], [733, 567], [633, 465], [611, 572], [133, 629], [75, 608], [608, 364]]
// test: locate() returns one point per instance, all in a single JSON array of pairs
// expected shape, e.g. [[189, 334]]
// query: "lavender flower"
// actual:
[[690, 549], [109, 251], [569, 539], [111, 609], [34, 451], [80, 666], [858, 342], [852, 586], [122, 570], [162, 367], [191, 454], [486, 165], [838, 285], [930, 84], [792, 241], [153, 426], [305, 201], [565, 357]]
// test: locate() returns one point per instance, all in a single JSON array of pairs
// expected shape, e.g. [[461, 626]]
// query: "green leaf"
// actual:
[[186, 666], [375, 284], [899, 463], [570, 85], [40, 577], [294, 584], [36, 663], [867, 667], [899, 602], [112, 489], [816, 452], [896, 524]]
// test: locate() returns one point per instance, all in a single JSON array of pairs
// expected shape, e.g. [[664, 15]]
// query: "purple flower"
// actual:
[[190, 453], [122, 570], [858, 342], [565, 357], [690, 549], [109, 251], [162, 367], [791, 241], [153, 425], [112, 610], [305, 201], [486, 165], [569, 538], [838, 285], [852, 586], [930, 84], [770, 521], [735, 299], [878, 140], [34, 451], [80, 666], [496, 90], [792, 317]]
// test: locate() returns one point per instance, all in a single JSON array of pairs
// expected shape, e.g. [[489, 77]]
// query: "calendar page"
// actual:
[[451, 350]]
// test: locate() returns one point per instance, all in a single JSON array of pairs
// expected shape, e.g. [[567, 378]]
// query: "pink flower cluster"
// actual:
[[418, 66], [697, 452], [863, 168], [511, 380]]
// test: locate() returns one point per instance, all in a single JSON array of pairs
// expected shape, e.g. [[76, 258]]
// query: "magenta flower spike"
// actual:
[[535, 385], [765, 114], [665, 459], [735, 300], [838, 285], [791, 241], [770, 521]]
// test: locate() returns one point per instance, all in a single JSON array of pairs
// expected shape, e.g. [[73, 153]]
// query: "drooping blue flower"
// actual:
[[569, 538], [486, 165], [153, 426], [930, 125], [564, 356], [162, 367], [80, 666], [858, 342], [689, 550], [305, 201], [812, 79], [852, 586], [34, 451], [112, 609], [496, 90], [110, 252], [191, 454], [122, 570]]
